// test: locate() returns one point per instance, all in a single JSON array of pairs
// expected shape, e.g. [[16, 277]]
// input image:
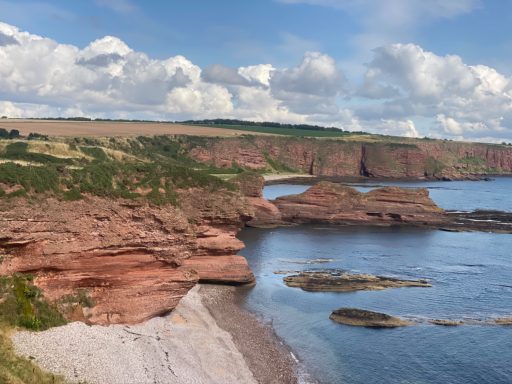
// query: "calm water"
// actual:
[[471, 275]]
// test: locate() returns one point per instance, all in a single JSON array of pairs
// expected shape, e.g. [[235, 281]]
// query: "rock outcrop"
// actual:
[[480, 220], [265, 214], [339, 281], [446, 323], [362, 318], [134, 260], [504, 321], [338, 204]]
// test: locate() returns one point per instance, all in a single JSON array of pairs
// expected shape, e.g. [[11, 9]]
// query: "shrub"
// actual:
[[72, 195], [23, 305], [80, 297], [19, 151], [37, 136], [95, 152], [12, 134]]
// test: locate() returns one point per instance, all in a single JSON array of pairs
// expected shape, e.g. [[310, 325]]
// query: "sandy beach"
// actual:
[[206, 339], [269, 178]]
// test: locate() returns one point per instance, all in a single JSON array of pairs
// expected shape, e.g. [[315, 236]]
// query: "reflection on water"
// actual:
[[471, 276]]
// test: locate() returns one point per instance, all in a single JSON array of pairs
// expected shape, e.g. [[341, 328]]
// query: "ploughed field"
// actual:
[[112, 128]]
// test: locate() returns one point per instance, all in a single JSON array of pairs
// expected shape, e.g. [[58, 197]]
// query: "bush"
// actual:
[[12, 134], [23, 305], [95, 152], [32, 179], [37, 136], [19, 151], [72, 195], [80, 297]]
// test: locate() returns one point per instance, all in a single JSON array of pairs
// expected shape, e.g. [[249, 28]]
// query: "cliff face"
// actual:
[[134, 261], [338, 204], [415, 159], [265, 214]]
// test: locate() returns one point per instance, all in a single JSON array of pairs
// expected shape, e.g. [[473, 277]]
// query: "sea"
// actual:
[[470, 273]]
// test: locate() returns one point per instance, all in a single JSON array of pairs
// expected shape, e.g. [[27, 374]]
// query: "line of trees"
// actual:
[[261, 124], [80, 118]]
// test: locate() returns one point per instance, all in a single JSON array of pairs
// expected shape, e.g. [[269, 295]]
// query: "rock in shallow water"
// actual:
[[445, 322], [336, 281], [504, 321], [332, 203], [363, 318]]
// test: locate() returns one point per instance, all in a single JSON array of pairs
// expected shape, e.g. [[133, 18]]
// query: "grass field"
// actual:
[[282, 131]]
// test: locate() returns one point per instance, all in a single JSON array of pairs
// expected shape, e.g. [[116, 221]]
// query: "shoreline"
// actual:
[[207, 338], [306, 179], [184, 347], [266, 354]]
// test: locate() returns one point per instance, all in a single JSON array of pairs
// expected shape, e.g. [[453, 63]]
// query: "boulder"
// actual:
[[363, 318]]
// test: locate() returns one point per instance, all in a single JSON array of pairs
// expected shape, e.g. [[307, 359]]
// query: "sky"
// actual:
[[437, 68]]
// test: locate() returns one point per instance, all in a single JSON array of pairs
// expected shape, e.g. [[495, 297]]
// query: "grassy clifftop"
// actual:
[[149, 168]]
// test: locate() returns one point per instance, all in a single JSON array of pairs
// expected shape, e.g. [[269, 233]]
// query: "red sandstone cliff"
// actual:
[[265, 214], [134, 260], [416, 159]]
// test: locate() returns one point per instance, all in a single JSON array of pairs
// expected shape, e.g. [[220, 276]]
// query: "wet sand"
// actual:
[[270, 360]]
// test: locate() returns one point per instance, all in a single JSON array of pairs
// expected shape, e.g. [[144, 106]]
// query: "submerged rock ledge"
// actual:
[[363, 318], [336, 281]]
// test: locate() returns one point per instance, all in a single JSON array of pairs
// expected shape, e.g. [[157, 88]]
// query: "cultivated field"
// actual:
[[107, 128]]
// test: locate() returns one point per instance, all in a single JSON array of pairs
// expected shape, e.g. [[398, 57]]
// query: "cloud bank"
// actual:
[[403, 85]]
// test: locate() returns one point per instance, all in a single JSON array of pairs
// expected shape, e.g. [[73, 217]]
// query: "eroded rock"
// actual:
[[363, 318], [332, 203], [339, 281], [265, 214], [134, 260], [446, 323], [504, 321]]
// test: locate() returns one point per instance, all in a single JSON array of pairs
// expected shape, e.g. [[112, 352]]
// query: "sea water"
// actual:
[[471, 274]]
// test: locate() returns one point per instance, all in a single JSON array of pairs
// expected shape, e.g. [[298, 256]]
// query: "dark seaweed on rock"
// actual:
[[339, 281]]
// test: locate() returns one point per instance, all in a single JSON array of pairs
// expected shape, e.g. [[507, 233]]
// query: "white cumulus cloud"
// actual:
[[406, 90], [466, 101]]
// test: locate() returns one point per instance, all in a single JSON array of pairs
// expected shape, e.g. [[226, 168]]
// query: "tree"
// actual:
[[14, 134]]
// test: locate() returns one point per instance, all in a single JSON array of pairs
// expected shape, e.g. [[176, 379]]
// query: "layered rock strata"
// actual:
[[338, 204], [133, 260], [405, 158], [265, 214], [335, 281]]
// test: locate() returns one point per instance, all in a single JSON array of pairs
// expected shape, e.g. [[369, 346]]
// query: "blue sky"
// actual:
[[409, 67], [243, 32]]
